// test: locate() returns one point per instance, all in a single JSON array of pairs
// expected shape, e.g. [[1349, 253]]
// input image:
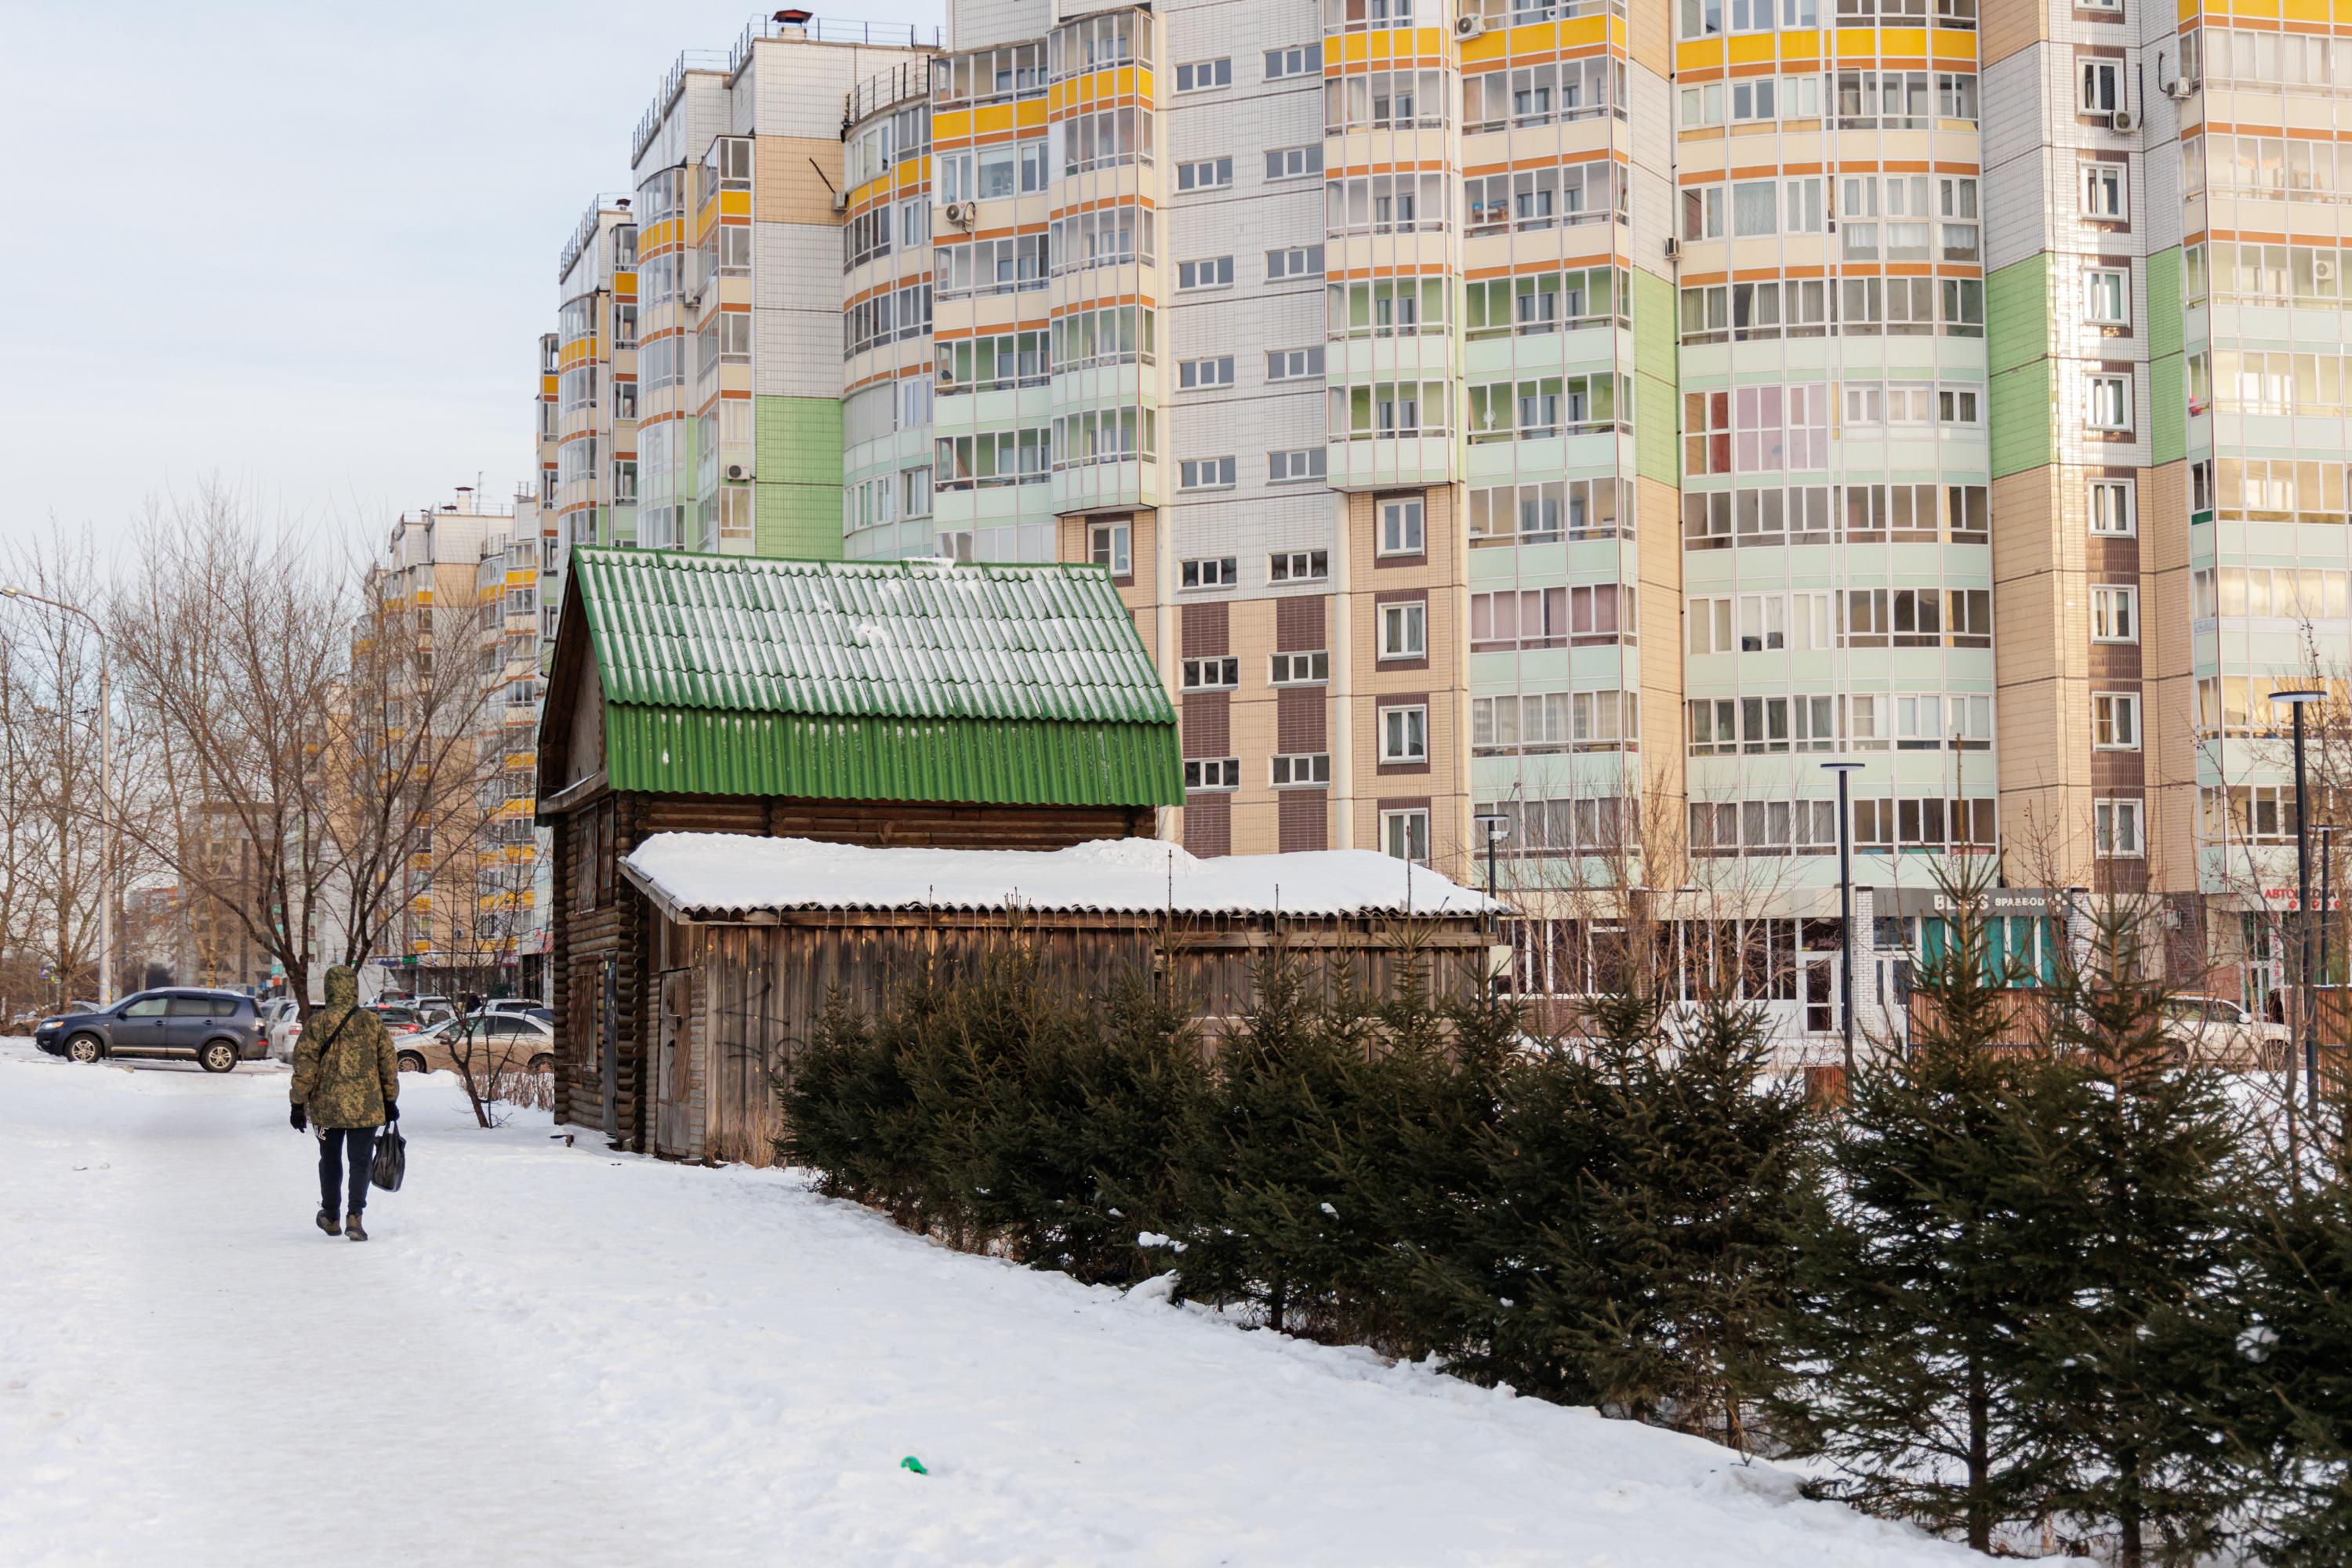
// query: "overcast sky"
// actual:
[[309, 246]]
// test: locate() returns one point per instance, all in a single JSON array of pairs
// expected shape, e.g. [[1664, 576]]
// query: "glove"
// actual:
[[298, 1117], [390, 1112]]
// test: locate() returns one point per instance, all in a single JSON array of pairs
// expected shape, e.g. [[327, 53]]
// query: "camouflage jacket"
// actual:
[[344, 1069]]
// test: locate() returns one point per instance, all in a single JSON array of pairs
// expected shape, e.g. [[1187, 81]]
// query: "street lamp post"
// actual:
[[1845, 910], [1498, 826], [105, 792], [2324, 833], [2296, 699]]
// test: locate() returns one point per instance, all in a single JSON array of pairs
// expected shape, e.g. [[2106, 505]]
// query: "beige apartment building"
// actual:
[[1583, 419]]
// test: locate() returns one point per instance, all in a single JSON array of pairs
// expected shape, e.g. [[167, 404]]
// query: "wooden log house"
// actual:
[[750, 941], [884, 703]]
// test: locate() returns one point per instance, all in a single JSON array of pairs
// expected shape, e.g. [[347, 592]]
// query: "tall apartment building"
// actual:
[[1591, 415]]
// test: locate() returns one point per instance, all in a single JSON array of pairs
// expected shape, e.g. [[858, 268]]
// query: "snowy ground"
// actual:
[[561, 1354]]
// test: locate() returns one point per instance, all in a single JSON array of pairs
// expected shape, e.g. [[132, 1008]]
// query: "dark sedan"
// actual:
[[217, 1029]]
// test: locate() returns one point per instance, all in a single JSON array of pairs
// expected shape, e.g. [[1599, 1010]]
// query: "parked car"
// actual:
[[398, 1017], [217, 1029], [2218, 1029], [524, 1006], [281, 1026], [518, 1039]]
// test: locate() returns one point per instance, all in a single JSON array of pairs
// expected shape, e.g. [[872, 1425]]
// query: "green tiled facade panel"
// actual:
[[800, 441], [1657, 413], [2022, 405], [2164, 329], [2017, 314], [802, 521], [878, 681], [2168, 391]]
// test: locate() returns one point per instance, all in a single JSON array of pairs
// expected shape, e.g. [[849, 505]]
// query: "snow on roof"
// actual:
[[705, 876]]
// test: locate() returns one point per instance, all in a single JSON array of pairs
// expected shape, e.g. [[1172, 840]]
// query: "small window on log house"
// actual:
[[596, 842]]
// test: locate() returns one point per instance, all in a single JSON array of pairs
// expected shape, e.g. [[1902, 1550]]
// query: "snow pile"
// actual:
[[559, 1353], [703, 876]]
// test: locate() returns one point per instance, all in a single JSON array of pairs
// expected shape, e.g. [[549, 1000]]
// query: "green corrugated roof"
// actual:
[[874, 680]]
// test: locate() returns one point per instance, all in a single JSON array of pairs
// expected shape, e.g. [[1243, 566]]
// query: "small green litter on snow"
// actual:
[[914, 1463]]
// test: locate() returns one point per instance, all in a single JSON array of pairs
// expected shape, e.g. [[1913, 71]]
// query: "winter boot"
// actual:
[[329, 1223], [353, 1229]]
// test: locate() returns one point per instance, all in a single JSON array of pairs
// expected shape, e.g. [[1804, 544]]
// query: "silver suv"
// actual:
[[217, 1029]]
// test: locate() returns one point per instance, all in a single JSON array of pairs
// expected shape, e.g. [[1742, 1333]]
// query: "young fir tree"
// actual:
[[1261, 1191], [1697, 1224], [2293, 1418], [2134, 1161], [1913, 1286]]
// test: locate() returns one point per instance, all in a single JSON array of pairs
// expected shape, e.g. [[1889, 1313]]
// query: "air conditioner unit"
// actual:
[[2180, 88], [962, 214], [1468, 27], [738, 472], [1673, 248], [840, 201], [2323, 267], [2124, 120]]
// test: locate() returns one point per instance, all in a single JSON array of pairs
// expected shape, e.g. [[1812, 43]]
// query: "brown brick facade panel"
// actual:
[[1207, 630], [1302, 623], [1305, 820], [1209, 825], [1299, 723], [1208, 723]]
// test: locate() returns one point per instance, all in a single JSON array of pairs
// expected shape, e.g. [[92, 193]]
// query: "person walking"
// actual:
[[346, 1085]]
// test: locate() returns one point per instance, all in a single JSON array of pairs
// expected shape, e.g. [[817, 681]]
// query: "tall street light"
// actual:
[[2324, 832], [2297, 698], [105, 792], [1846, 910], [1498, 827]]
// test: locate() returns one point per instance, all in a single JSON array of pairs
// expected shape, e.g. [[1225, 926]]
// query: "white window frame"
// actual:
[[1201, 374], [1211, 775], [2099, 88], [1405, 734], [1299, 770], [1295, 162], [2096, 390], [1403, 519], [1205, 174], [2114, 280], [1297, 465], [2097, 177], [1203, 76], [1306, 666], [1298, 59], [1404, 629], [2109, 813], [1196, 474], [1208, 272], [1215, 672], [1112, 544], [2114, 607], [2125, 507], [1293, 261], [1298, 566], [1404, 832], [1204, 571], [2115, 714]]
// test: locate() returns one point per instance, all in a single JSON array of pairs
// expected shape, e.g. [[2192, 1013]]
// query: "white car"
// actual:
[[281, 1025], [2219, 1030]]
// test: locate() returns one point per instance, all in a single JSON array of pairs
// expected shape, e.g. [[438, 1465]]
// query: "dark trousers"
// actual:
[[333, 1141]]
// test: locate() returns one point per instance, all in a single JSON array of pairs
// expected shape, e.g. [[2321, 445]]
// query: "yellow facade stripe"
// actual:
[[951, 124]]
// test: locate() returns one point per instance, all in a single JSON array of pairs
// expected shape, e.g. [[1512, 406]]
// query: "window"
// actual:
[[1296, 465], [1405, 631], [2110, 403], [1405, 734], [2111, 508], [1217, 773], [1206, 474], [1294, 162], [1293, 365], [1192, 374], [1405, 834], [2114, 613], [1301, 770], [1299, 668], [1111, 544], [1299, 60], [2115, 721], [1298, 261], [1212, 572], [1207, 175], [1298, 566], [2103, 86], [1217, 272], [2116, 829], [1200, 75], [2103, 192], [1400, 527], [2107, 296], [1220, 674]]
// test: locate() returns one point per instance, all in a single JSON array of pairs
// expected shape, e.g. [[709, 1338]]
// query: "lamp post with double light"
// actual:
[[1845, 908], [105, 788], [2298, 698]]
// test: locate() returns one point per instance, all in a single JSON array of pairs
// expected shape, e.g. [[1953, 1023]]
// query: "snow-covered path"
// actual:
[[550, 1353]]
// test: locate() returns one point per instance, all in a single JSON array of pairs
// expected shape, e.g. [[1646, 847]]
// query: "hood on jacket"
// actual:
[[342, 987]]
